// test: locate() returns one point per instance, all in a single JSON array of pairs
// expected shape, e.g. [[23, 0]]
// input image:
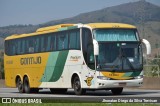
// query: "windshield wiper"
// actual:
[[129, 63], [108, 67]]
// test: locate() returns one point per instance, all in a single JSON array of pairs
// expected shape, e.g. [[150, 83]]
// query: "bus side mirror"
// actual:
[[148, 46], [96, 47]]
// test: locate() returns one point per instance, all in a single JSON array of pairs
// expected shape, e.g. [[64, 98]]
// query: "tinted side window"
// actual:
[[65, 40], [23, 46], [37, 44], [31, 44], [59, 39], [14, 49], [53, 43], [48, 43], [42, 48], [74, 39], [62, 41], [19, 46], [7, 48]]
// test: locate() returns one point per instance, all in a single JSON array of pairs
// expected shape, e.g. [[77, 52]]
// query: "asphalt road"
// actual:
[[90, 95]]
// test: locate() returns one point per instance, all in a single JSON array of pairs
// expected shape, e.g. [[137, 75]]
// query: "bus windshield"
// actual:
[[119, 50]]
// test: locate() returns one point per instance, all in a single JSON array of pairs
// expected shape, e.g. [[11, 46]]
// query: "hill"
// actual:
[[133, 12], [144, 15]]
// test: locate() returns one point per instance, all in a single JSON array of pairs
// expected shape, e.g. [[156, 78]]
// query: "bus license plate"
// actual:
[[122, 84]]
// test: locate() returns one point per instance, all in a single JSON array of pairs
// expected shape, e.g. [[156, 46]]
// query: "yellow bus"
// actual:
[[84, 57]]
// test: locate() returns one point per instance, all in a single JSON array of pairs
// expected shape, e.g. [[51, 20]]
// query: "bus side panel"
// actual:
[[77, 65], [54, 72], [71, 62], [31, 65], [9, 78]]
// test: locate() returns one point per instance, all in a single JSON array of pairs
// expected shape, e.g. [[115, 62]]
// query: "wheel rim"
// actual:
[[26, 86], [19, 85], [77, 85]]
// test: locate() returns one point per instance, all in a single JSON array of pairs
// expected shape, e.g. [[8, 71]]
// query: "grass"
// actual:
[[61, 102]]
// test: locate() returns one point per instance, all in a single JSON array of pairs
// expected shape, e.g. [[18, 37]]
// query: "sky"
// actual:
[[40, 11]]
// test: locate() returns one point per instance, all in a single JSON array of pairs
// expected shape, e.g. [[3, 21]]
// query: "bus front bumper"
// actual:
[[119, 83]]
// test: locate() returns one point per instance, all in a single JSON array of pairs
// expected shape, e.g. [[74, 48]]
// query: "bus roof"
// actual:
[[62, 27], [110, 25]]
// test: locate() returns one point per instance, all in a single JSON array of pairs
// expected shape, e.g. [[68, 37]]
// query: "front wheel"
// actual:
[[117, 91], [77, 86]]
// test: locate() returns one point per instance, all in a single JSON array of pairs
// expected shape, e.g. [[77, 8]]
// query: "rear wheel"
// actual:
[[117, 91], [19, 85], [26, 85], [27, 88], [58, 91], [77, 86]]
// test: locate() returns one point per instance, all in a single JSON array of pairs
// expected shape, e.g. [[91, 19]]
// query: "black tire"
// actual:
[[58, 91], [19, 85], [26, 85], [27, 88], [77, 86], [117, 91]]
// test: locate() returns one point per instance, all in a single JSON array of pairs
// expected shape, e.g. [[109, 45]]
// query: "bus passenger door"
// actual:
[[88, 69]]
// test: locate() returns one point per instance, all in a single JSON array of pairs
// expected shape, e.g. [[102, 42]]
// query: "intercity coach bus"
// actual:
[[84, 57]]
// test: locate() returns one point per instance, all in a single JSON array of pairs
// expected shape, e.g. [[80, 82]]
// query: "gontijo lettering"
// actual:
[[30, 60]]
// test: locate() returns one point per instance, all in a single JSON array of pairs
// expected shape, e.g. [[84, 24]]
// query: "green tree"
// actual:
[[155, 70]]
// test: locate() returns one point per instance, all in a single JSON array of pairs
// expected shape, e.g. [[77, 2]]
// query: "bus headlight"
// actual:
[[103, 78], [138, 77]]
